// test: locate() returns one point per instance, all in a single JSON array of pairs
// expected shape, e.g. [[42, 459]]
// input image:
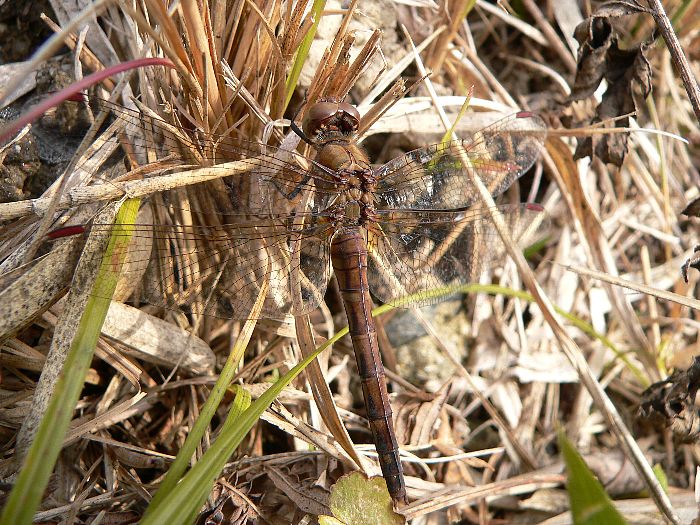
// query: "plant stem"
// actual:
[[677, 54]]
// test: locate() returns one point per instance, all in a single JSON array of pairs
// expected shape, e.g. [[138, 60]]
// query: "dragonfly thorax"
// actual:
[[353, 178], [351, 212], [344, 158]]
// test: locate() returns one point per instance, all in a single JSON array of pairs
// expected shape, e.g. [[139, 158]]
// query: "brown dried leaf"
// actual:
[[417, 415], [671, 403], [626, 71], [313, 500], [620, 8]]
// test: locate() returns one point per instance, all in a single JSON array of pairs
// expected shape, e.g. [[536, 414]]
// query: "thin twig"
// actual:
[[677, 54]]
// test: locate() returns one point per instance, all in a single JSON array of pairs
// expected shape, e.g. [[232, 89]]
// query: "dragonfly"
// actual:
[[394, 231]]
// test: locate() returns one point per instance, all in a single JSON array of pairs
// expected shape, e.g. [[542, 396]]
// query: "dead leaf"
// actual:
[[620, 8], [310, 499], [157, 341], [615, 472], [626, 71], [692, 209], [671, 403]]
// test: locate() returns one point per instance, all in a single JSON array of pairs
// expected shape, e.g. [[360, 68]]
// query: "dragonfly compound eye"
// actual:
[[333, 117]]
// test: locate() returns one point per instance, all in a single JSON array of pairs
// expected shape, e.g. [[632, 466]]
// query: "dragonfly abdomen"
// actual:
[[349, 258]]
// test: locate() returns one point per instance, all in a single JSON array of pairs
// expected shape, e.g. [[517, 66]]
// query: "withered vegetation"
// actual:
[[480, 383]]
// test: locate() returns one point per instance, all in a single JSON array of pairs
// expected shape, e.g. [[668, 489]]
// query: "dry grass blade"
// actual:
[[573, 352], [117, 190], [514, 485], [639, 287], [322, 393], [488, 375], [457, 12]]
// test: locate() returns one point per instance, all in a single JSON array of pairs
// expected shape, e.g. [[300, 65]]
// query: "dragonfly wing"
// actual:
[[434, 178], [219, 271], [282, 172], [415, 254]]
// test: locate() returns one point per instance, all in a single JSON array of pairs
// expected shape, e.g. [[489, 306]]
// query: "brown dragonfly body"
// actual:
[[396, 230], [349, 256], [333, 125]]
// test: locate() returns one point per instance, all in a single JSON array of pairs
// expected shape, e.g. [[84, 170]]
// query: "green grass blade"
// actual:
[[196, 486], [41, 458], [590, 504], [447, 137], [176, 506], [213, 464], [182, 461]]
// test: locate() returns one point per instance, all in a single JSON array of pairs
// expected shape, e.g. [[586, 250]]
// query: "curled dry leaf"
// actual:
[[309, 498], [418, 416], [157, 341], [691, 210], [626, 71], [620, 8], [671, 403], [691, 262]]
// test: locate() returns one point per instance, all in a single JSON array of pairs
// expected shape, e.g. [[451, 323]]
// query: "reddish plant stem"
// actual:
[[69, 92]]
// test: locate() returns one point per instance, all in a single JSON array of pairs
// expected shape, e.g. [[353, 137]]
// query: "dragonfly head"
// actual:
[[330, 117]]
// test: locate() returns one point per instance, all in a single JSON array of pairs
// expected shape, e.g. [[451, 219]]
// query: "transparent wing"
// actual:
[[286, 172], [216, 243], [428, 251], [434, 178], [219, 271]]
